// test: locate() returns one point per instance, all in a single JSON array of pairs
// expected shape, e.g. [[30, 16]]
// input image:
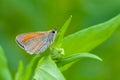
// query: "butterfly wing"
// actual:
[[33, 42]]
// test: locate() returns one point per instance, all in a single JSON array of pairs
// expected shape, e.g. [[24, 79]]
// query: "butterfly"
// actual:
[[36, 42]]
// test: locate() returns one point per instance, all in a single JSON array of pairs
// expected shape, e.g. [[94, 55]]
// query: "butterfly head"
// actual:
[[52, 34]]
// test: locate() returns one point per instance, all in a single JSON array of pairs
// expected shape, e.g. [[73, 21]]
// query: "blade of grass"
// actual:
[[31, 67], [4, 71], [19, 74]]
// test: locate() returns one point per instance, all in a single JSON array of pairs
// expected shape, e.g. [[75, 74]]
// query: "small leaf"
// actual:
[[87, 39], [75, 57], [4, 72], [47, 70], [60, 35], [19, 74]]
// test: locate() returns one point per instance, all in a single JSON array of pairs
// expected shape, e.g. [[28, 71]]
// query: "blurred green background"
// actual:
[[21, 16]]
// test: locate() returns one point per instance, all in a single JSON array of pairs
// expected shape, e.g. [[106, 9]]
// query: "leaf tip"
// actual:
[[100, 59]]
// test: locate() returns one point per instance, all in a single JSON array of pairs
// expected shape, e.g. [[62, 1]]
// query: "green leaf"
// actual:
[[60, 35], [69, 60], [19, 74], [47, 70], [4, 71], [87, 39]]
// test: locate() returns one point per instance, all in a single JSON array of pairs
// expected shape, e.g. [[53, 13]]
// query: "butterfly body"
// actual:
[[36, 42]]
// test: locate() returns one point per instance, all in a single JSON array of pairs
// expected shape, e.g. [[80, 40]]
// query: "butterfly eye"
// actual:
[[53, 31]]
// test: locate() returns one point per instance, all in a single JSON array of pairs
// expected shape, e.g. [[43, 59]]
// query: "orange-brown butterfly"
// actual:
[[36, 42]]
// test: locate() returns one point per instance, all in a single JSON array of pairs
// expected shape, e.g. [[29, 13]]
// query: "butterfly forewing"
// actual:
[[32, 42]]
